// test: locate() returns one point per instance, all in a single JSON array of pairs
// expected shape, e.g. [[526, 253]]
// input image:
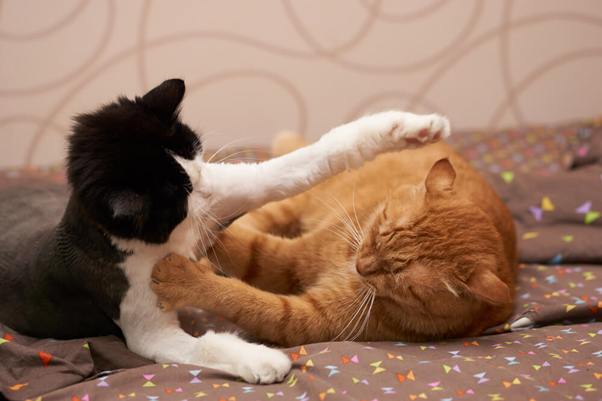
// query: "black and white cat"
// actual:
[[79, 264]]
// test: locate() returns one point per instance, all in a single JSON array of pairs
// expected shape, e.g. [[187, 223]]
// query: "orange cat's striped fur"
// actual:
[[414, 246]]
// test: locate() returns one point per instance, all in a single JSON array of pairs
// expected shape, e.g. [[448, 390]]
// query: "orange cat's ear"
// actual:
[[441, 177], [484, 284]]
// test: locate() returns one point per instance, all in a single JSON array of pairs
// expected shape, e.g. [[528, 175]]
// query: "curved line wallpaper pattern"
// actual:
[[407, 16], [48, 30], [494, 34], [78, 69], [255, 68], [333, 55]]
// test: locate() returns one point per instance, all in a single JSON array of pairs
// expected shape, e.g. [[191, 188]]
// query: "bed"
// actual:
[[551, 179]]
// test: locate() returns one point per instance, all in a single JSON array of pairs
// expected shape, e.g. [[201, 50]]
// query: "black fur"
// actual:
[[60, 276], [121, 164]]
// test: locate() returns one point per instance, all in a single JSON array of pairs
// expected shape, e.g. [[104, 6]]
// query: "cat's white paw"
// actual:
[[253, 362], [402, 130], [263, 365], [357, 142], [417, 128]]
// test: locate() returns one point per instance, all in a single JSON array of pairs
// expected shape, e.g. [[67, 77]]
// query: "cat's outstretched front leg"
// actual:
[[239, 188], [286, 319]]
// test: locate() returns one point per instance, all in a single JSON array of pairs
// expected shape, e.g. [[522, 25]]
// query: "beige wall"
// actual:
[[255, 67]]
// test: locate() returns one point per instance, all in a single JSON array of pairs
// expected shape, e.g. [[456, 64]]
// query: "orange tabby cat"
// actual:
[[414, 246]]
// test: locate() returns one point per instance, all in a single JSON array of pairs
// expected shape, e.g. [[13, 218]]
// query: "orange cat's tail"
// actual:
[[286, 142]]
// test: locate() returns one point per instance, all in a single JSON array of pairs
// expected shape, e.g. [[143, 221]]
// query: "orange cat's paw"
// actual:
[[172, 279]]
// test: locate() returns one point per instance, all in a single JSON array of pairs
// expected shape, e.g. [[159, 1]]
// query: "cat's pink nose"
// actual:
[[361, 266]]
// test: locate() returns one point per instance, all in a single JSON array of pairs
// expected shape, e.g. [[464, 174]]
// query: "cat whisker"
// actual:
[[355, 300], [214, 218], [365, 324], [358, 314], [224, 147], [340, 234], [247, 150], [353, 204], [371, 292], [336, 212], [364, 299], [198, 145], [199, 239], [206, 232], [247, 160], [364, 308], [218, 242], [350, 220], [194, 234], [221, 226], [219, 265], [194, 237], [353, 245], [356, 238], [234, 213], [206, 135], [334, 226]]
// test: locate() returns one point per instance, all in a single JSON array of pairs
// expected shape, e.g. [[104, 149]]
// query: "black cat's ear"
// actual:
[[165, 98], [441, 177], [126, 203]]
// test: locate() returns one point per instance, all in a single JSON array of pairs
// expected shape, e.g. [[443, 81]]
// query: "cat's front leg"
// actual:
[[239, 188], [287, 320], [158, 336], [383, 132], [177, 282]]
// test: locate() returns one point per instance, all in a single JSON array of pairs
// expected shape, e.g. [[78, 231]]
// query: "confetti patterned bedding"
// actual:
[[554, 352]]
